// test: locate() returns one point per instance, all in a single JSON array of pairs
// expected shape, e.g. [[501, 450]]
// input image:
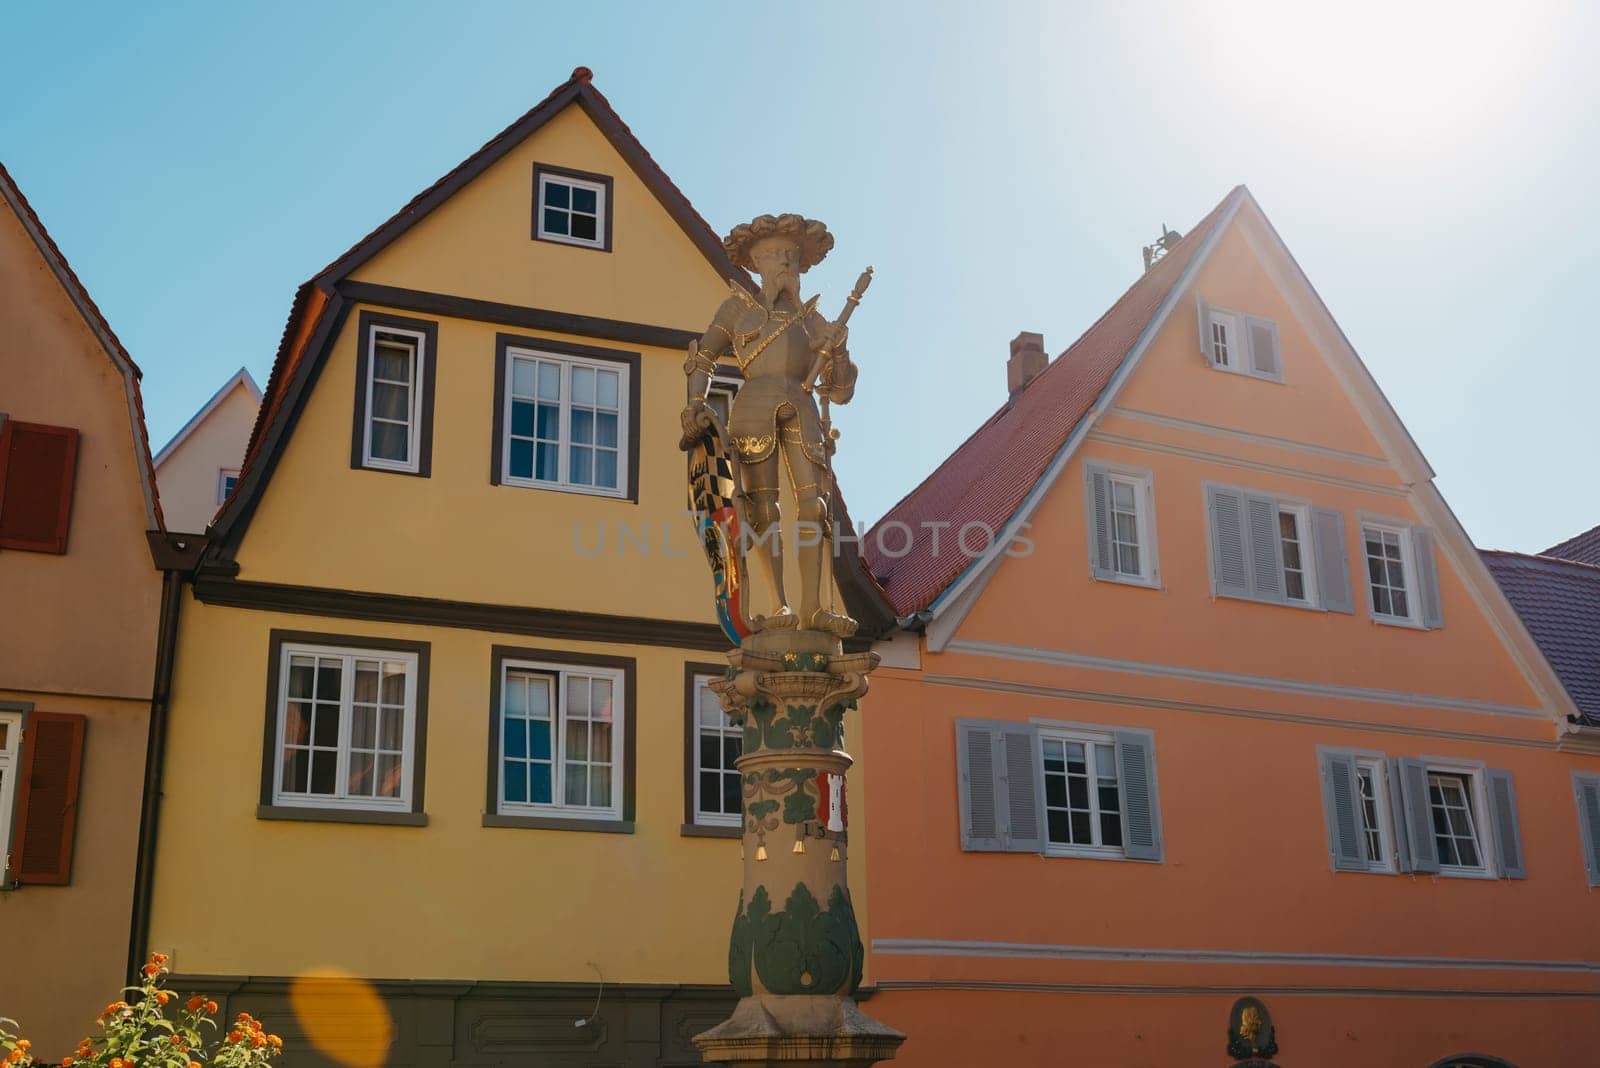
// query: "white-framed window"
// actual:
[[1455, 800], [10, 770], [227, 478], [1224, 340], [561, 741], [565, 423], [1082, 795], [718, 742], [720, 397], [1295, 555], [346, 728], [1377, 828], [572, 210], [1390, 572], [395, 372], [1240, 344], [1121, 513]]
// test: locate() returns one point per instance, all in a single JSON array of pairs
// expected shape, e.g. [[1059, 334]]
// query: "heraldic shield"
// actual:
[[713, 500]]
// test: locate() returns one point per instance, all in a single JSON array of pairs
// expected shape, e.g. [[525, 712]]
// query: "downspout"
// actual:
[[154, 758]]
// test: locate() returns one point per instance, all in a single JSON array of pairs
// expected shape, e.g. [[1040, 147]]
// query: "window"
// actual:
[[1455, 827], [1373, 796], [1356, 796], [1238, 343], [1120, 507], [1083, 803], [1265, 548], [717, 742], [1402, 575], [561, 740], [572, 207], [394, 395], [1586, 791], [1293, 521], [37, 465], [1386, 572], [10, 761], [347, 729], [227, 479], [565, 418]]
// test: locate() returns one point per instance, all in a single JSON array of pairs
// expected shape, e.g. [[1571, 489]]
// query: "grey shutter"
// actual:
[[1203, 310], [1022, 828], [1341, 798], [1266, 566], [1588, 795], [1099, 518], [1397, 819], [1264, 348], [1332, 556], [1418, 815], [1427, 577], [1141, 809], [1230, 574], [1503, 813], [977, 762]]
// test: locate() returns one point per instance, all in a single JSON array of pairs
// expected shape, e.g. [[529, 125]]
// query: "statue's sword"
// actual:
[[820, 367]]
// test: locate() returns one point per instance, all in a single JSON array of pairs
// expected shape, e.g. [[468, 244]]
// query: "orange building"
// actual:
[[1229, 706]]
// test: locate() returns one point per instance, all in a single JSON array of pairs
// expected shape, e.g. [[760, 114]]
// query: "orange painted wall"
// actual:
[[1244, 900]]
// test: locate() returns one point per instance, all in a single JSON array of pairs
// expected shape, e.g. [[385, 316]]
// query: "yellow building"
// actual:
[[80, 596], [436, 717]]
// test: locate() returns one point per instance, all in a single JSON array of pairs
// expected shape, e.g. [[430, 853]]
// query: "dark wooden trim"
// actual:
[[863, 598], [629, 667], [468, 615], [691, 733], [366, 322], [341, 815], [56, 543], [155, 759], [517, 315], [175, 551], [604, 180], [703, 830], [78, 724], [276, 639], [631, 360]]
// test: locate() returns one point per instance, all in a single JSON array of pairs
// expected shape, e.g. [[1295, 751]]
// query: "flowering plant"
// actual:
[[139, 1034]]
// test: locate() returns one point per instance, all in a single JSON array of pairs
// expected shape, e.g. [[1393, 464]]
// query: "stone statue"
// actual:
[[788, 353]]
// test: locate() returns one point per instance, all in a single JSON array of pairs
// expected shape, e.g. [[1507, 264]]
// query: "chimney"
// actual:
[[1027, 360]]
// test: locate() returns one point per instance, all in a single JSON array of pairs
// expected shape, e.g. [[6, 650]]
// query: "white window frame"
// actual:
[[10, 772], [347, 681], [1303, 536], [702, 818], [1377, 768], [1478, 807], [223, 474], [558, 763], [1144, 495], [564, 441], [545, 181], [1408, 568], [1088, 739], [1241, 359], [419, 358]]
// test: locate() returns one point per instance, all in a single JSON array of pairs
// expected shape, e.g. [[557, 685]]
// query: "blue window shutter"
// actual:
[[1341, 799], [1230, 571], [1023, 822], [1264, 356], [1427, 577], [1586, 788], [1266, 559], [1098, 503], [1141, 807], [1203, 311], [1418, 815], [1503, 814], [1332, 556], [1397, 819], [977, 765]]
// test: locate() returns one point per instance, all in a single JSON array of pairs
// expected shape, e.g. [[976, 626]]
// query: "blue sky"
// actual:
[[1431, 166]]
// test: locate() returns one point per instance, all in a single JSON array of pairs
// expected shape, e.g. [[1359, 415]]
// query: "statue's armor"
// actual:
[[774, 351]]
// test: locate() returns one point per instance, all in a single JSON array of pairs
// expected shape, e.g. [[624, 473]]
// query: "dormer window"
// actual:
[[571, 207], [1240, 343]]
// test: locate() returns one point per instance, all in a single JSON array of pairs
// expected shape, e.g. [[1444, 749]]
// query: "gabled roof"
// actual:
[[318, 307], [103, 333], [240, 380], [988, 477], [1583, 548], [1559, 602]]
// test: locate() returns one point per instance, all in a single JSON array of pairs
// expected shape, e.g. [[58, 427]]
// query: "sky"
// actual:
[[1431, 166]]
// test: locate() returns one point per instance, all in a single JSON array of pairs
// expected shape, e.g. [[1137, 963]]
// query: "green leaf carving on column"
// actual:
[[806, 949], [758, 723], [741, 942]]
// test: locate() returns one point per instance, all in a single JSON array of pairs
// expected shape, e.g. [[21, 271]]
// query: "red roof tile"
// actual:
[[987, 478]]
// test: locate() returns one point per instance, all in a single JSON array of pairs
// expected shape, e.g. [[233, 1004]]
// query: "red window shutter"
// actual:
[[47, 797], [37, 463]]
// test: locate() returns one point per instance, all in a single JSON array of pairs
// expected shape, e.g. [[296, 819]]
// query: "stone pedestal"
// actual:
[[795, 955]]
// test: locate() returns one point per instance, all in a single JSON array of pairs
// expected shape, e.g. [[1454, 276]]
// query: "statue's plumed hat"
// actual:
[[812, 236]]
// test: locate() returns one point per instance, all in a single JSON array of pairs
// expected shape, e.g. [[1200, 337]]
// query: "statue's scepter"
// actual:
[[821, 366]]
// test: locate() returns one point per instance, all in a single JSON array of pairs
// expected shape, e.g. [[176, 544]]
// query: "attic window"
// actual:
[[571, 207]]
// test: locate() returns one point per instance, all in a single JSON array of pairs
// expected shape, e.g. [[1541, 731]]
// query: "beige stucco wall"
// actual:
[[189, 475]]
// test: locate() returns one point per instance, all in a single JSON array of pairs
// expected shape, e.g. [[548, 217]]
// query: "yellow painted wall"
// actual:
[[189, 474]]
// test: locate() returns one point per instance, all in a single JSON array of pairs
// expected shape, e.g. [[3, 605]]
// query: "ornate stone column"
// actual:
[[795, 956]]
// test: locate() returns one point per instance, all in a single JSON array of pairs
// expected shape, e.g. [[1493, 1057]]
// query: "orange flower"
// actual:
[[277, 1043], [66, 1062], [177, 1041], [194, 1064], [158, 958], [151, 969], [195, 1002], [258, 1041], [162, 997], [243, 1016], [117, 1062], [24, 1044], [233, 1036], [211, 1006]]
